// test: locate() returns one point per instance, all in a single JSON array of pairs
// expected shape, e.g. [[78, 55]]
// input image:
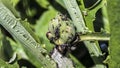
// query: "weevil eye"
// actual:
[[49, 35]]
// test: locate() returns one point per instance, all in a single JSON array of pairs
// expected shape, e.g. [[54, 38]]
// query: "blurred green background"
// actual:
[[38, 13]]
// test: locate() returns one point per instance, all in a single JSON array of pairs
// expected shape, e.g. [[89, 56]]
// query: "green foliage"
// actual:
[[3, 64], [19, 33], [113, 12], [41, 26], [34, 18], [90, 14], [43, 3], [6, 52]]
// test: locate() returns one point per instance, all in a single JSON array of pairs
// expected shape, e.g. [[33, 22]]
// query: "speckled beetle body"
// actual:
[[61, 32]]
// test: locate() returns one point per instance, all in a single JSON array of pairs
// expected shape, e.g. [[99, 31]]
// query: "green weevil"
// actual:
[[61, 32]]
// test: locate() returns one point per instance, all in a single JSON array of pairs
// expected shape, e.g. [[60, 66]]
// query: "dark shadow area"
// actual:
[[6, 49], [100, 61], [26, 6], [98, 23], [90, 3], [104, 48], [82, 54], [5, 32], [27, 64], [58, 7]]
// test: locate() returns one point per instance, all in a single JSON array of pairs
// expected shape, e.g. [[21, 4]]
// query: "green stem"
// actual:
[[78, 21], [76, 15], [94, 5], [95, 37], [15, 28], [105, 18]]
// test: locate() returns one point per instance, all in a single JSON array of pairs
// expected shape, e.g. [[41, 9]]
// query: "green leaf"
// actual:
[[10, 6], [61, 3], [43, 3], [90, 15], [6, 51], [29, 28], [77, 63], [14, 2], [78, 20], [20, 34], [4, 64], [41, 27], [114, 19]]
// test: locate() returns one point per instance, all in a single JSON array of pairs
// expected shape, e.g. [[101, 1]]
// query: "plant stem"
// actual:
[[15, 28], [94, 4], [105, 18], [78, 21], [76, 15], [95, 37]]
